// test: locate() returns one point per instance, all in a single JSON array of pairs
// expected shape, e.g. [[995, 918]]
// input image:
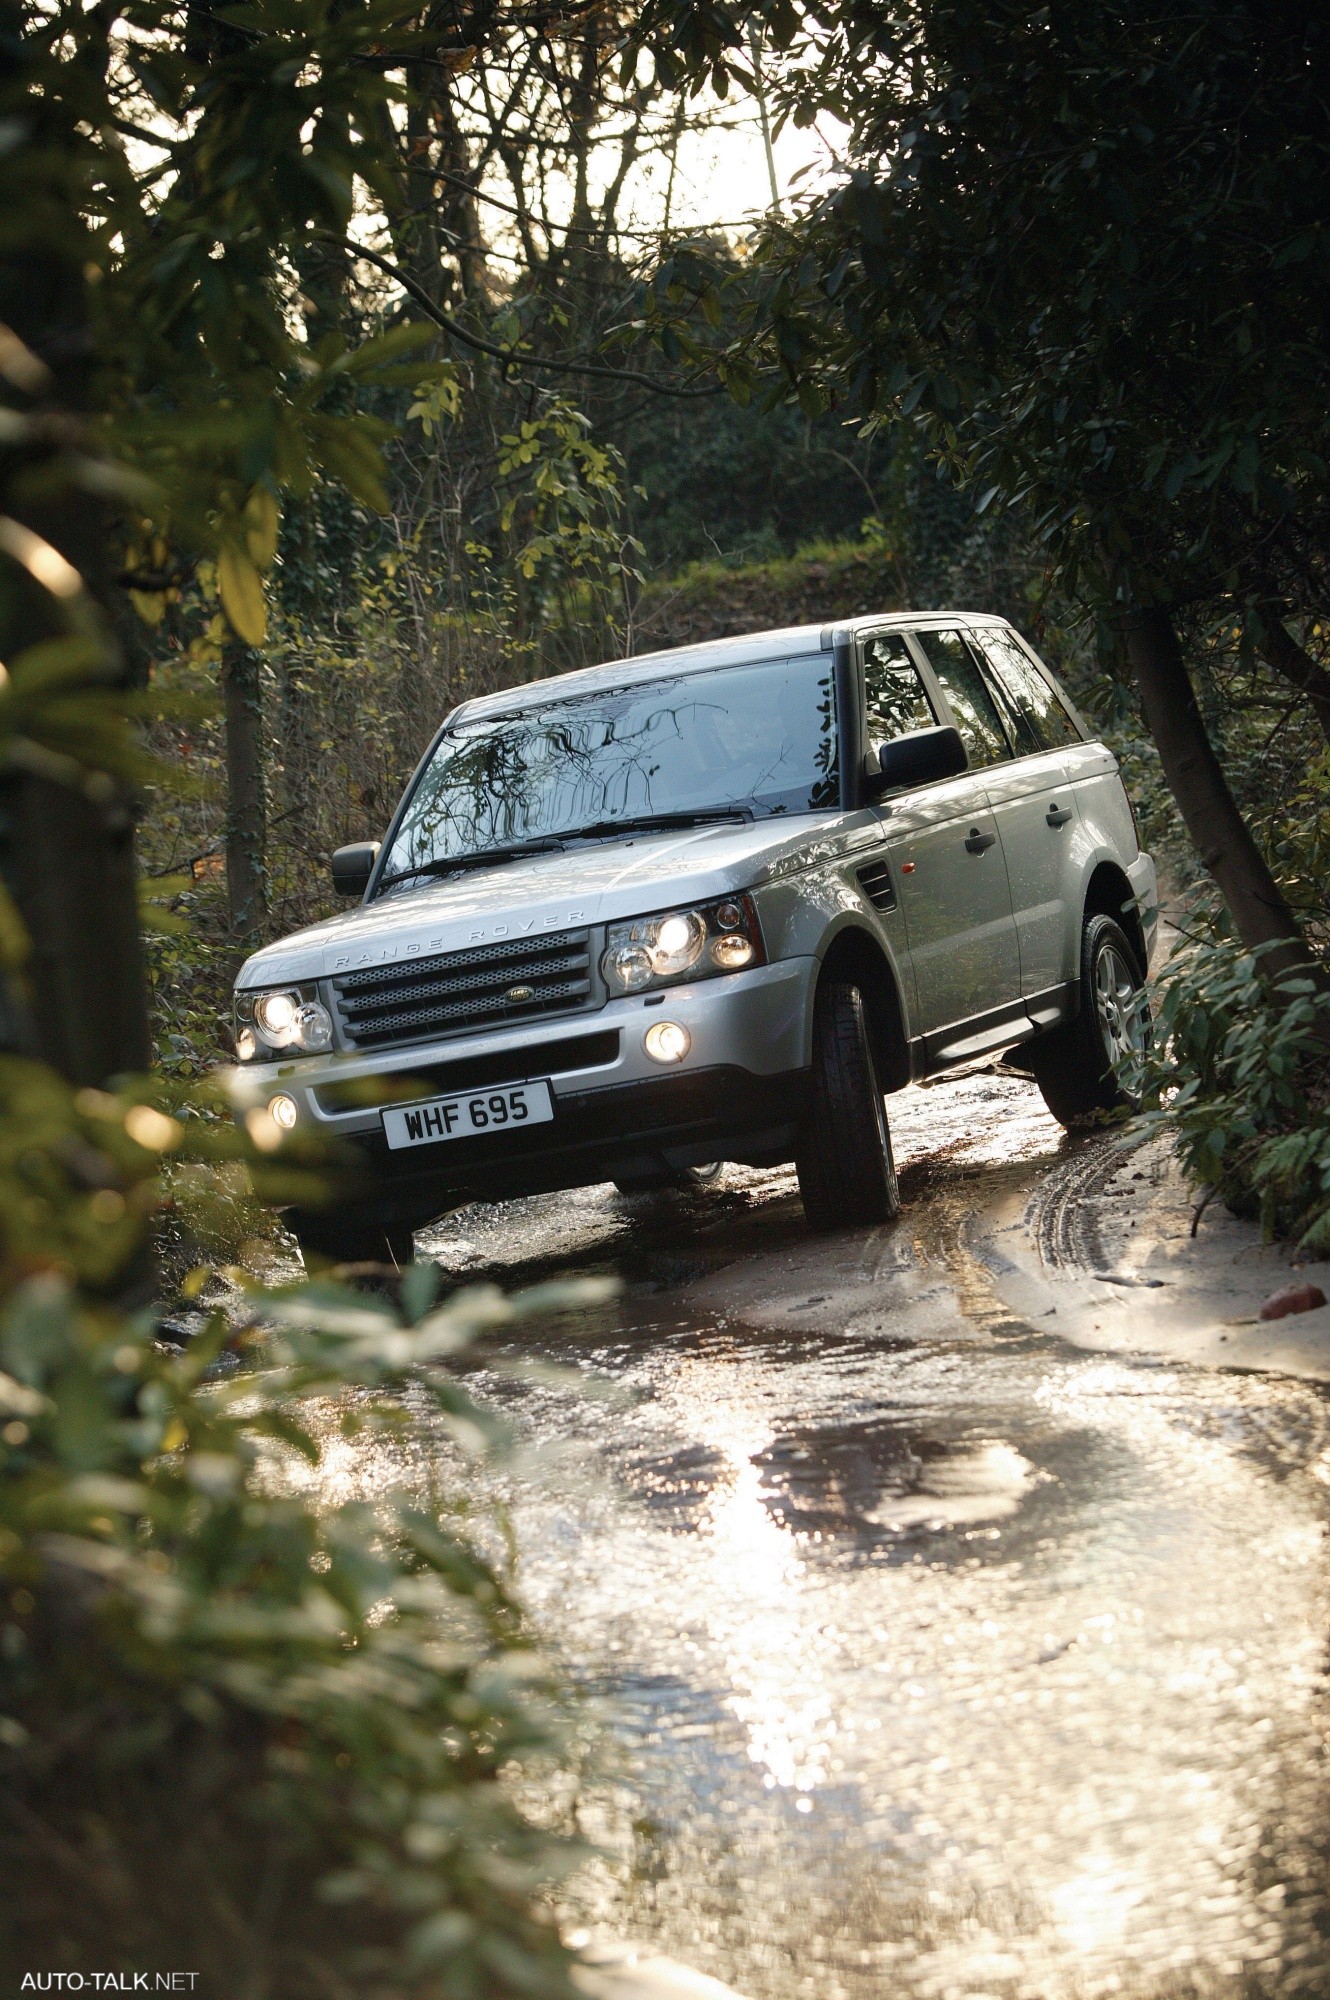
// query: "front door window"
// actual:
[[943, 840]]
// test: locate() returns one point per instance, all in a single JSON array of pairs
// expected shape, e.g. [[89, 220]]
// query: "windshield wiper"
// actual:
[[602, 829], [485, 857]]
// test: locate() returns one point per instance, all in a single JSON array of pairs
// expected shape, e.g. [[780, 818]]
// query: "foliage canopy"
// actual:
[[1085, 248]]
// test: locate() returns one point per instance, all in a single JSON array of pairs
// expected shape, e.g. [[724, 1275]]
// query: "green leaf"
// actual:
[[241, 589], [262, 519], [357, 461]]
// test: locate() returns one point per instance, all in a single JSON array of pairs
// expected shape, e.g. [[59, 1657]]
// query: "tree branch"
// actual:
[[1287, 657], [509, 356], [565, 229]]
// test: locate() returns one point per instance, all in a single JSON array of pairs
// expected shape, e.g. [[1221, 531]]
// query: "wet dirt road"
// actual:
[[934, 1657]]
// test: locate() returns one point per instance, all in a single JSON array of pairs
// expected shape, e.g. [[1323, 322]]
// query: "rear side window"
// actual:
[[894, 693], [1034, 701], [967, 694]]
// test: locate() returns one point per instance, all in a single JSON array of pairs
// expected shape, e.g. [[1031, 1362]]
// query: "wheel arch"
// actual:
[[1108, 893], [855, 956]]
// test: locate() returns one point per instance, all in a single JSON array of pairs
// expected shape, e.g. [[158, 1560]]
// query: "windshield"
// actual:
[[756, 739]]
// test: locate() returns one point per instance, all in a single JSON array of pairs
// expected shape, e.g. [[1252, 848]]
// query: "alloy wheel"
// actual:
[[1119, 1005]]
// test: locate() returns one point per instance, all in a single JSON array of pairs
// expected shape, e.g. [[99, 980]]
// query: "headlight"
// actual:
[[274, 1017], [284, 1021], [682, 944]]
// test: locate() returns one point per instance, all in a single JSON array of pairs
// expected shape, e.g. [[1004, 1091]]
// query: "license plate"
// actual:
[[471, 1114]]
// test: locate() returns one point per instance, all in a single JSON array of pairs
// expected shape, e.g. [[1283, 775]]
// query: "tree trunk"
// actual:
[[66, 837], [69, 863], [1287, 657], [423, 246], [246, 818], [1196, 778]]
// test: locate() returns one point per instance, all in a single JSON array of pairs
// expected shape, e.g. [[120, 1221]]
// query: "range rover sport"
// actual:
[[712, 904]]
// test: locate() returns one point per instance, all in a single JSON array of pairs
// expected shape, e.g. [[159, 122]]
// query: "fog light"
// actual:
[[667, 1041], [282, 1111]]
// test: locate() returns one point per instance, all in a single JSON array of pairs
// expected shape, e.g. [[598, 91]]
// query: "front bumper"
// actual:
[[738, 1094], [619, 1132]]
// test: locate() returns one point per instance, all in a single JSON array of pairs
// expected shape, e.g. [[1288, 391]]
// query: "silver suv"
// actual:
[[709, 904]]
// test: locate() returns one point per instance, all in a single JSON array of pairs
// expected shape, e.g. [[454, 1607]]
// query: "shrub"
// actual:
[[1240, 1074], [244, 1732]]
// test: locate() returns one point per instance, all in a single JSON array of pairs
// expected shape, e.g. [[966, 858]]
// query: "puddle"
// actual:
[[935, 1659]]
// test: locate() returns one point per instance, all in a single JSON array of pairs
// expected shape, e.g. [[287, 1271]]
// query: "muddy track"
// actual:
[[1062, 1214], [911, 1627]]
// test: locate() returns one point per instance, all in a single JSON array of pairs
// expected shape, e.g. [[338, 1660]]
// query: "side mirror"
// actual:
[[920, 758], [352, 867]]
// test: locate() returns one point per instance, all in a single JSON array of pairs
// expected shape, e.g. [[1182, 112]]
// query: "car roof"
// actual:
[[782, 642]]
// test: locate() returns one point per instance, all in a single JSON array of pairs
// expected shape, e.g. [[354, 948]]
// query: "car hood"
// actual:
[[592, 884]]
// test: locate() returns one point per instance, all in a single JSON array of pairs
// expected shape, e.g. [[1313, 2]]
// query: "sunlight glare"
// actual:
[[758, 1615]]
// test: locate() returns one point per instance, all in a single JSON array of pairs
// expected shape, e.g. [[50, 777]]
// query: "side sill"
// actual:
[[985, 1035], [1055, 1005]]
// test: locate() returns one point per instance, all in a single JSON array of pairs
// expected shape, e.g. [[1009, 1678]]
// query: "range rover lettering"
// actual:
[[714, 904]]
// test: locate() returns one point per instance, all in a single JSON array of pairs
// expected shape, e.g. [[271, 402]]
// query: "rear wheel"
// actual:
[[1073, 1065], [343, 1236], [847, 1176]]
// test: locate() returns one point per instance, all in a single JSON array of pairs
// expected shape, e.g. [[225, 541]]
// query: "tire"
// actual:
[[343, 1236], [1073, 1064], [847, 1176]]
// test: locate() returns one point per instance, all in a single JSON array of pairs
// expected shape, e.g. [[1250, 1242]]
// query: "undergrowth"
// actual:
[[246, 1728], [1240, 1077]]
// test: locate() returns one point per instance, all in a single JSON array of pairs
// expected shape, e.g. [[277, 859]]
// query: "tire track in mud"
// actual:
[[954, 1224], [1060, 1214]]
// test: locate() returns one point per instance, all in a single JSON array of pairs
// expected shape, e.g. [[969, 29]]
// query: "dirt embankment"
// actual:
[[1109, 1251], [715, 601]]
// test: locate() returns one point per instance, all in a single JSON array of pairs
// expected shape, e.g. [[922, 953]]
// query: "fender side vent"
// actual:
[[876, 883]]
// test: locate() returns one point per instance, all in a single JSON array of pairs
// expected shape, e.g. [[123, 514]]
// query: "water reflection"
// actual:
[[940, 1663], [1036, 1642], [755, 1614], [985, 1481]]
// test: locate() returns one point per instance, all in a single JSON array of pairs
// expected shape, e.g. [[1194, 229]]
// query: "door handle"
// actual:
[[1058, 815], [978, 841]]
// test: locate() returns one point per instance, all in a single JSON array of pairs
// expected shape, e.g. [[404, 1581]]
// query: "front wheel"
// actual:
[[1074, 1065], [847, 1176]]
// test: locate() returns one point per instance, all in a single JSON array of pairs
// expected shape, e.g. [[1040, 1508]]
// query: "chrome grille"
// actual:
[[387, 1004]]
